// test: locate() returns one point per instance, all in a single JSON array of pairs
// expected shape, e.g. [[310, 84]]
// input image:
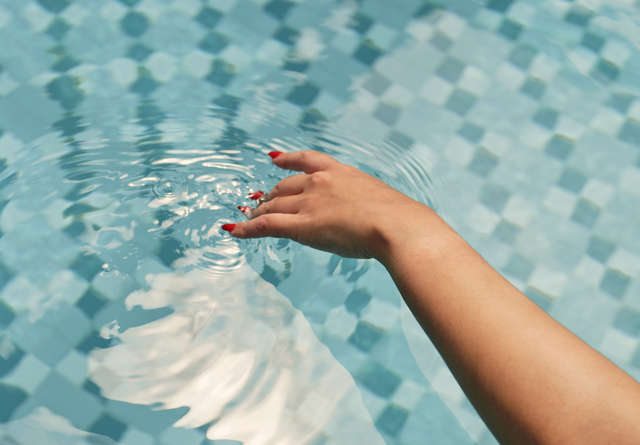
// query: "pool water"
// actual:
[[131, 129]]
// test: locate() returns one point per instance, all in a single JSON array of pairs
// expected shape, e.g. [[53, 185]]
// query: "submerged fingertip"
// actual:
[[274, 154], [229, 227]]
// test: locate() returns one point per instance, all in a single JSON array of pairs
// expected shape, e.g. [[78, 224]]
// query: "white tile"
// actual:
[[240, 59], [5, 17], [598, 192], [616, 51], [66, 286], [124, 71], [436, 90], [74, 367], [534, 135], [197, 63], [549, 281], [113, 10], [496, 143], [474, 80], [509, 76], [451, 25], [381, 314], [582, 59], [630, 181], [607, 121], [398, 95], [625, 261], [569, 127], [482, 220], [340, 323], [75, 14], [634, 110], [408, 394], [420, 30], [560, 201], [37, 17], [459, 151], [589, 271], [519, 211], [161, 65], [543, 67], [7, 83], [381, 35], [447, 387]]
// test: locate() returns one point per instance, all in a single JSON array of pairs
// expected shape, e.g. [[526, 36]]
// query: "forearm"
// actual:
[[530, 379]]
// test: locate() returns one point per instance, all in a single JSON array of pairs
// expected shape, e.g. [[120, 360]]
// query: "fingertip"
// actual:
[[274, 154], [229, 227]]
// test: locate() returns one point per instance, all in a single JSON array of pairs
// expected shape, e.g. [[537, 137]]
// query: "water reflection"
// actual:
[[239, 356]]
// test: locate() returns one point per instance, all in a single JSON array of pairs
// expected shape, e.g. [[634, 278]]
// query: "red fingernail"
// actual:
[[274, 154], [244, 209], [256, 195], [228, 227]]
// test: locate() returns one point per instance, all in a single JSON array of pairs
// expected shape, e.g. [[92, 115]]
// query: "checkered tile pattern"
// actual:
[[526, 115]]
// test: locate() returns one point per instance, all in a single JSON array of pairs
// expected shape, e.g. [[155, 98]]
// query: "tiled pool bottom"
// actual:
[[526, 113]]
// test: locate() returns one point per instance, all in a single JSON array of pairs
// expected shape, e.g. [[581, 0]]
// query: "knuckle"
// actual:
[[318, 178]]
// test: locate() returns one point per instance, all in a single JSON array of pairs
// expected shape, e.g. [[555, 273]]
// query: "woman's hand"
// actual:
[[334, 207]]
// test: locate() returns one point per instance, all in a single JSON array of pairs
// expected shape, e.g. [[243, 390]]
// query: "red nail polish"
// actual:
[[256, 195], [274, 154], [244, 209], [228, 227]]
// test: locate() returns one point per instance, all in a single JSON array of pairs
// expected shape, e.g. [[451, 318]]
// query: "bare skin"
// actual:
[[531, 380]]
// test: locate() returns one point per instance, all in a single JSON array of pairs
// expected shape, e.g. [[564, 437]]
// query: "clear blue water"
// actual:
[[130, 130]]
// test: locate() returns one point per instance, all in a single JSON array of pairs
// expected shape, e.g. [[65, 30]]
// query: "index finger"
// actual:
[[308, 161]]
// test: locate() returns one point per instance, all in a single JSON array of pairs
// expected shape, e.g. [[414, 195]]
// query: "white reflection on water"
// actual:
[[237, 353], [44, 427]]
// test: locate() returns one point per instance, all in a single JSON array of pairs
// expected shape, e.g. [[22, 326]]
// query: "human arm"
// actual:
[[530, 379]]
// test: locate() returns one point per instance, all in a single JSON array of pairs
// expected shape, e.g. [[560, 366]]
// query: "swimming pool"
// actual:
[[131, 129]]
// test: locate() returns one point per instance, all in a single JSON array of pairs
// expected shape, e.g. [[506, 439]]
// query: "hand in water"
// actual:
[[334, 207]]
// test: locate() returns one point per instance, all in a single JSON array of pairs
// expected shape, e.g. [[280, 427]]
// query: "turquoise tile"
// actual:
[[9, 361], [546, 117], [579, 16], [600, 249], [398, 139], [279, 8], [64, 90], [615, 283], [357, 300], [365, 336], [628, 321], [541, 299], [534, 88], [87, 265], [441, 41], [483, 162], [630, 132], [139, 51], [506, 232], [109, 426], [55, 6], [360, 22], [559, 147], [376, 84], [592, 41], [169, 250], [6, 315], [129, 2], [68, 400], [510, 29], [134, 24], [378, 379], [303, 95], [286, 35], [367, 53], [605, 71], [208, 17], [460, 102], [519, 267], [392, 419], [12, 397], [58, 28], [213, 42], [451, 69], [145, 418], [585, 213], [221, 73], [635, 360], [387, 113], [499, 5], [621, 101], [572, 180], [522, 56], [494, 196], [471, 132]]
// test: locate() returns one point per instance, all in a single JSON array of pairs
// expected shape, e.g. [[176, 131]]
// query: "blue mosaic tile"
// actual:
[[286, 35], [367, 52], [579, 16], [392, 419], [522, 56], [387, 113], [494, 196], [506, 232], [55, 6], [546, 117], [378, 379], [605, 71], [68, 400], [6, 275], [628, 321], [312, 120], [585, 213], [600, 249], [471, 132], [357, 300], [499, 5], [58, 29], [6, 315], [169, 250], [376, 84], [134, 24], [398, 139], [510, 29], [360, 22], [221, 73], [150, 420], [559, 147], [303, 95], [460, 102], [615, 283], [483, 162], [279, 9], [139, 52], [208, 17], [365, 336], [12, 397], [129, 2], [109, 426], [65, 63], [451, 69], [572, 180], [87, 265], [541, 299], [145, 84], [519, 267], [630, 132], [534, 88], [297, 66], [621, 102], [9, 361], [592, 41], [91, 302], [64, 90], [92, 341], [213, 42], [635, 359], [441, 41]]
